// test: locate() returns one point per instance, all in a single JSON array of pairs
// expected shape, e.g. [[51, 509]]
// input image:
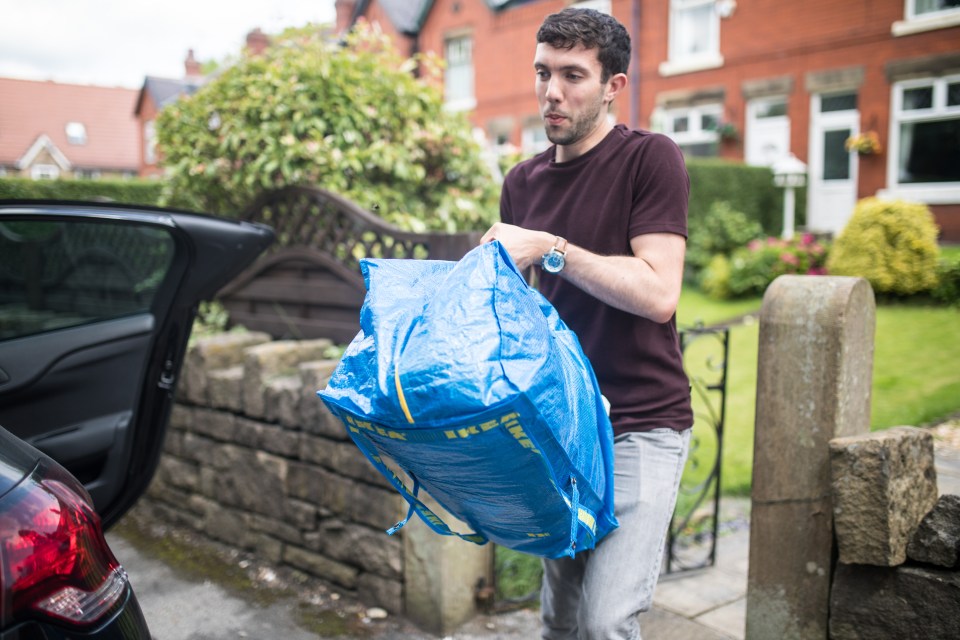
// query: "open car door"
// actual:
[[96, 306]]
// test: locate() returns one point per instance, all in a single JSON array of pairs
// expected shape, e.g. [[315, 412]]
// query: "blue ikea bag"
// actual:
[[467, 378]]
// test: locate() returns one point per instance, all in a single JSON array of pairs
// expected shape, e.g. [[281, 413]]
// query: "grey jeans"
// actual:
[[597, 594]]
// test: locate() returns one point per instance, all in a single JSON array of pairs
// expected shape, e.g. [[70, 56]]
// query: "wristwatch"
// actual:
[[553, 260]]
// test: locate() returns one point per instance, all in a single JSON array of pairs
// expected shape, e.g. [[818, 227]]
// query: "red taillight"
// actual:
[[56, 562]]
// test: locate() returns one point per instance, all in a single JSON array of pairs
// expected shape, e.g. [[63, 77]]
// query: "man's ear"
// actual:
[[615, 85]]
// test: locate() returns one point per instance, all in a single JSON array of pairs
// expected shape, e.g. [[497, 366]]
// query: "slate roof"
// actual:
[[165, 91], [408, 16], [31, 109]]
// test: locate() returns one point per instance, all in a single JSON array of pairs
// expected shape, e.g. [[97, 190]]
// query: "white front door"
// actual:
[[832, 185], [768, 131]]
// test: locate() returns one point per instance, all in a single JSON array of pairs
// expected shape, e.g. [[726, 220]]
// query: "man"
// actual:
[[603, 213]]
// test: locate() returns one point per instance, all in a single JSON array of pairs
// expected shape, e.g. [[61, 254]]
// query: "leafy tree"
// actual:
[[349, 117]]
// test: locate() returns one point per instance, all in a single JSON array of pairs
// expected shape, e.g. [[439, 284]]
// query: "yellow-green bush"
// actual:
[[893, 244]]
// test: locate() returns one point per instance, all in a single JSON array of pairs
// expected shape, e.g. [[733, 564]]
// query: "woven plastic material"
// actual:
[[471, 383]]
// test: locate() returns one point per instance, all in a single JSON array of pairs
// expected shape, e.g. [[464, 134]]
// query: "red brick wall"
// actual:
[[148, 111]]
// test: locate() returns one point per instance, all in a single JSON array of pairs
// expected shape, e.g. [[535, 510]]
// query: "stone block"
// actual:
[[370, 549], [378, 591], [321, 566], [218, 425], [209, 353], [198, 448], [344, 458], [880, 603], [178, 473], [254, 481], [271, 360], [937, 539], [283, 395], [226, 525], [883, 484], [374, 507], [225, 389], [314, 376]]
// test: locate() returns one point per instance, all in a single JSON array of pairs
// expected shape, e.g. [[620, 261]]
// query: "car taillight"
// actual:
[[56, 562]]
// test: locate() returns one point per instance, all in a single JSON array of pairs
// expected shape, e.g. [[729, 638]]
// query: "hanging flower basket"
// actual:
[[866, 143]]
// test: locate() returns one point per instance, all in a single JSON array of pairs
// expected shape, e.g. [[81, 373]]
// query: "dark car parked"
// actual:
[[96, 305]]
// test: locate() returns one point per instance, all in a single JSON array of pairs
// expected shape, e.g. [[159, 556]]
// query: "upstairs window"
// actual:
[[458, 79], [918, 8], [694, 37], [927, 15], [76, 133]]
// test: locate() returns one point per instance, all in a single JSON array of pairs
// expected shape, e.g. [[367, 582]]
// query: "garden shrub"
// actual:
[[715, 279], [947, 290], [754, 267], [722, 231], [351, 118], [891, 243]]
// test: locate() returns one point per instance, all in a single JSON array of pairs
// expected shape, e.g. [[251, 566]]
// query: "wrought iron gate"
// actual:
[[692, 537]]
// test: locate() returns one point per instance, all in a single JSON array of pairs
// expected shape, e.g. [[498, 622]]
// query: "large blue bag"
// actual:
[[467, 378]]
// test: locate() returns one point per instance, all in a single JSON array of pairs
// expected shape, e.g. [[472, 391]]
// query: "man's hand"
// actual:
[[526, 247]]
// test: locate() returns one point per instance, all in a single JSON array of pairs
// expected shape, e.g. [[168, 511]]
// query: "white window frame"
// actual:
[[926, 192], [603, 6], [150, 142], [44, 172], [677, 62], [914, 22], [76, 133], [468, 98], [695, 133]]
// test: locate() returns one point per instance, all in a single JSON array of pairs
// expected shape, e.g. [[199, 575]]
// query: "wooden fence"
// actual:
[[309, 285]]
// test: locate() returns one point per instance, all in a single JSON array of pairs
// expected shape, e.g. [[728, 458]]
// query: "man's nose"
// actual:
[[553, 92]]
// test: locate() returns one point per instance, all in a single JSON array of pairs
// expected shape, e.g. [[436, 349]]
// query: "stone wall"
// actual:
[[898, 571], [254, 460]]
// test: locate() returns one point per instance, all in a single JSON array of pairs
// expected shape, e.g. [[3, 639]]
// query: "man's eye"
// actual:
[[543, 75]]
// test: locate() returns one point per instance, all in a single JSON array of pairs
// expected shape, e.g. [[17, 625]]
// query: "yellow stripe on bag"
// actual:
[[403, 401]]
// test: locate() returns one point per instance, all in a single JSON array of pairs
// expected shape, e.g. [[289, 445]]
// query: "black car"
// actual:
[[96, 306]]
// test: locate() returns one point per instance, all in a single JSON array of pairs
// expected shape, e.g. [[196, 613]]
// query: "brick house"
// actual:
[[749, 81], [52, 130], [155, 94]]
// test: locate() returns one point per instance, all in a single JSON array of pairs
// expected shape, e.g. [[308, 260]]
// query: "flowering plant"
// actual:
[[865, 143], [750, 269]]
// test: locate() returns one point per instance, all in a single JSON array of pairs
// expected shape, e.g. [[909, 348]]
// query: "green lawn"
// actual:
[[916, 379]]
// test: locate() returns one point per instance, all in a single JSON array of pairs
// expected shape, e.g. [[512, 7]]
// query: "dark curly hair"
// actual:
[[592, 29]]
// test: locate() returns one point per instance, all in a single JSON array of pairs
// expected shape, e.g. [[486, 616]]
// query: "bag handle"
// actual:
[[426, 514]]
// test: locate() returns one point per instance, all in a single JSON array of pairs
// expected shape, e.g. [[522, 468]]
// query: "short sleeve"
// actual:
[[661, 189]]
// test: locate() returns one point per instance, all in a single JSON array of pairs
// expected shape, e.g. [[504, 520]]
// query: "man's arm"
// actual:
[[646, 284]]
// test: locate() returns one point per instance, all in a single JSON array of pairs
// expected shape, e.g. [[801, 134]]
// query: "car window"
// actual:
[[64, 273]]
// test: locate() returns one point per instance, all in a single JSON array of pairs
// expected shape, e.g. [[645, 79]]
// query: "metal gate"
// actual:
[[692, 537]]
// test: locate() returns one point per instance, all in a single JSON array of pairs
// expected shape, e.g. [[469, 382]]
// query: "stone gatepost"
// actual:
[[814, 376]]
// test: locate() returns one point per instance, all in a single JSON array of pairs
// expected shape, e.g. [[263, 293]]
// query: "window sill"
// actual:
[[463, 104], [678, 67], [948, 193], [921, 25]]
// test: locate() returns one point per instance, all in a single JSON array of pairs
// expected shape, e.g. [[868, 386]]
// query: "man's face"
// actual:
[[573, 100]]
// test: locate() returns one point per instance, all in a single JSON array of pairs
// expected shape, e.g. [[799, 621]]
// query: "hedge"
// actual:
[[745, 188], [142, 192]]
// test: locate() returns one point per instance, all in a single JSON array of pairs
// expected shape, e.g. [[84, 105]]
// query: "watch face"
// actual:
[[552, 262]]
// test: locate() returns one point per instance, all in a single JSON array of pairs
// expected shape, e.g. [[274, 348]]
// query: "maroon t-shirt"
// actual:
[[631, 183]]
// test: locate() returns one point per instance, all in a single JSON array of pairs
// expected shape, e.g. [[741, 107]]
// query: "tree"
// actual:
[[350, 118]]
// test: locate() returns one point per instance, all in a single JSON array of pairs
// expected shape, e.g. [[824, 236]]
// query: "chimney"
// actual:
[[257, 42], [191, 67], [344, 15]]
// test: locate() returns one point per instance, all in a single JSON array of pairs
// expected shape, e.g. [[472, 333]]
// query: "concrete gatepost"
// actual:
[[814, 376], [442, 574]]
